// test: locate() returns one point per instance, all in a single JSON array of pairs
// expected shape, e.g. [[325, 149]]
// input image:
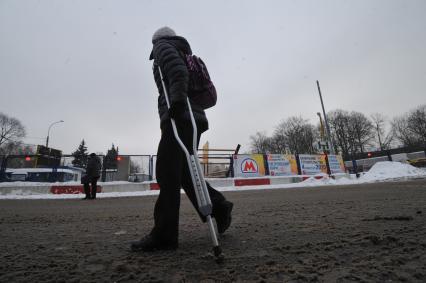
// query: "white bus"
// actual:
[[43, 174]]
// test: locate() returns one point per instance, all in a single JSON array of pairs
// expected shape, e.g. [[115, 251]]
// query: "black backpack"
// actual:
[[201, 90]]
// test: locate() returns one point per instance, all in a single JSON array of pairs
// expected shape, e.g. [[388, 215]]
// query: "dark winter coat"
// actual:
[[167, 52], [93, 167]]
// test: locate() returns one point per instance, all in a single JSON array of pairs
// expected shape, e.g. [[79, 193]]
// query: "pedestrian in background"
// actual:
[[90, 180]]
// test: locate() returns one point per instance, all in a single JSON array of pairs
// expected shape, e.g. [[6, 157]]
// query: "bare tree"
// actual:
[[278, 143], [362, 130], [379, 123], [417, 124], [341, 132], [260, 143], [299, 135], [352, 131], [294, 134], [401, 131], [410, 128], [11, 133]]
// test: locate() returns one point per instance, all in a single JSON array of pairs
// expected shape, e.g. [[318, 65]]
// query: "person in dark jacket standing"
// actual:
[[171, 168], [93, 169]]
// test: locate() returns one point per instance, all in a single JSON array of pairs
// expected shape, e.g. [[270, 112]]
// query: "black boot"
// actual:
[[223, 216], [149, 244]]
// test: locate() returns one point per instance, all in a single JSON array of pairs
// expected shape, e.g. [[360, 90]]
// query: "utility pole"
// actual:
[[326, 122]]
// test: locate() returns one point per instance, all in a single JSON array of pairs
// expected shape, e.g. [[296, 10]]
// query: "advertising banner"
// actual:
[[323, 163], [47, 157], [282, 164], [312, 164], [336, 164], [249, 165]]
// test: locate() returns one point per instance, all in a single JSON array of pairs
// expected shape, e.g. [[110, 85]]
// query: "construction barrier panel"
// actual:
[[74, 189]]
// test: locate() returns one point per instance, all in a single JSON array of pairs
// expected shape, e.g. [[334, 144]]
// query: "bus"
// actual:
[[44, 174]]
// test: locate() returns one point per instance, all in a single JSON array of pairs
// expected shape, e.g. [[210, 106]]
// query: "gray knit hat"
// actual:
[[163, 32]]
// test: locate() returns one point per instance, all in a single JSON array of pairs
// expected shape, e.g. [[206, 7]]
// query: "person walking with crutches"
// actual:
[[172, 170]]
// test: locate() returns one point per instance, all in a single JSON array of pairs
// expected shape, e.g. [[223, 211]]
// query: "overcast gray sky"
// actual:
[[86, 62]]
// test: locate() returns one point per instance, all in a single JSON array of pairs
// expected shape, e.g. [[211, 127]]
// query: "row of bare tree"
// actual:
[[351, 133], [410, 129]]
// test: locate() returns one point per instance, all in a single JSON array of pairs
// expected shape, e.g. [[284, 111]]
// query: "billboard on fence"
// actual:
[[282, 164], [312, 164], [47, 157], [336, 164], [315, 164], [249, 165]]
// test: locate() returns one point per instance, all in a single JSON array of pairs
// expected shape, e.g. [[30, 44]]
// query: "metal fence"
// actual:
[[132, 168], [367, 160], [215, 165]]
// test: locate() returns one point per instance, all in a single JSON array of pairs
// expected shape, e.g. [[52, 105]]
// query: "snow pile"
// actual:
[[326, 181], [381, 171], [387, 170]]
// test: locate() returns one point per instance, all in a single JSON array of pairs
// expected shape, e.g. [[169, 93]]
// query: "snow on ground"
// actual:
[[380, 172], [40, 184], [77, 196], [31, 184]]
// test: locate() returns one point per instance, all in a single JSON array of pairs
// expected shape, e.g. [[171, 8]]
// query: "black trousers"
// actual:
[[91, 192], [173, 174]]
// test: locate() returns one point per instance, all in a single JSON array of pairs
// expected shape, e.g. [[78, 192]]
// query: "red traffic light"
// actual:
[[27, 158], [369, 154], [118, 158]]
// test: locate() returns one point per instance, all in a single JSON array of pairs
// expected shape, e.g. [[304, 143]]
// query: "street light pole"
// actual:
[[48, 131], [327, 162], [326, 121]]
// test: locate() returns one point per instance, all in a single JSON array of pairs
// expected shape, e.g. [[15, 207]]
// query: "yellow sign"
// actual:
[[282, 164], [206, 153]]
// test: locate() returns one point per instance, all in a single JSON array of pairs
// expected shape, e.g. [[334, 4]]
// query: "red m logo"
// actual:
[[249, 166]]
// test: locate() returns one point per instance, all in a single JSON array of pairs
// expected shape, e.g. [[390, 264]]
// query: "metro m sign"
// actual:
[[249, 166]]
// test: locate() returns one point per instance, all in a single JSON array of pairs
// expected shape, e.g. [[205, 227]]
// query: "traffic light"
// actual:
[[27, 158], [369, 154], [118, 158]]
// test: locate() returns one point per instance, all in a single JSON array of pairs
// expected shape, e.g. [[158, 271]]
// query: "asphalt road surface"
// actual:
[[371, 232]]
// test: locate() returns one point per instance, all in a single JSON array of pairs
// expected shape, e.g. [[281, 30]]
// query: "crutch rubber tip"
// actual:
[[217, 251]]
